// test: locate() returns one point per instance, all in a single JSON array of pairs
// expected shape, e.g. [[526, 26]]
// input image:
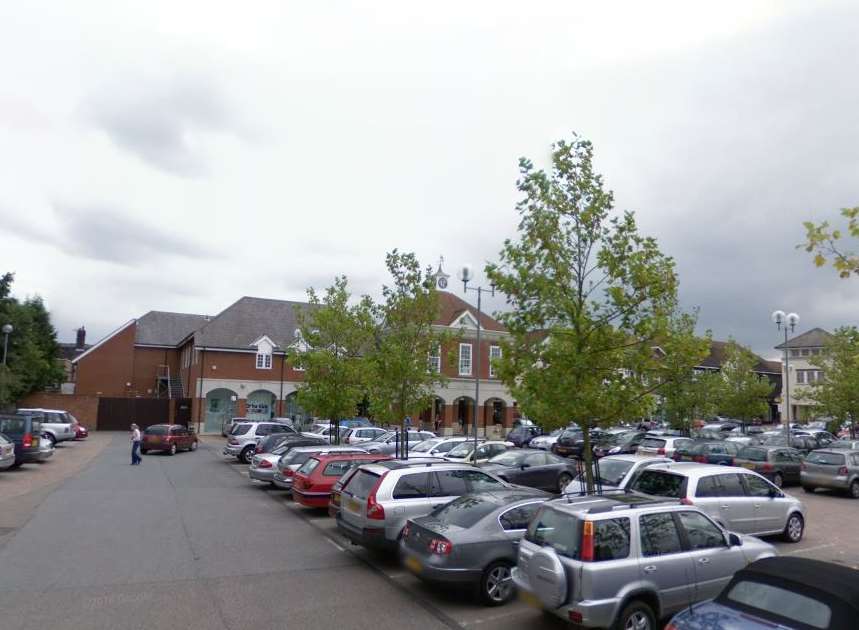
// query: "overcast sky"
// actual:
[[175, 155]]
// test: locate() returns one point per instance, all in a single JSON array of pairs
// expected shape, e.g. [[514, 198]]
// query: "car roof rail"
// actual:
[[595, 492]]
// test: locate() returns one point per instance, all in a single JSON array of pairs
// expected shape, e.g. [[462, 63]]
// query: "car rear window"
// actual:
[[309, 466], [296, 457], [13, 426], [827, 459], [660, 483], [753, 454], [240, 429], [361, 483], [156, 431], [465, 511], [781, 602], [653, 443], [336, 469], [554, 529]]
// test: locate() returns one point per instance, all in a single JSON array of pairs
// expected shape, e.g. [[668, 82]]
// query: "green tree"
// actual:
[[335, 336], [685, 393], [405, 336], [742, 392], [32, 351], [827, 245], [589, 298], [838, 393]]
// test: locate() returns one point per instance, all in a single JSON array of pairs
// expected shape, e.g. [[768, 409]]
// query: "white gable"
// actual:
[[264, 345], [466, 320]]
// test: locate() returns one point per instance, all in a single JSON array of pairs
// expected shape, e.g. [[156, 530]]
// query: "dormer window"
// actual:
[[263, 361], [265, 348]]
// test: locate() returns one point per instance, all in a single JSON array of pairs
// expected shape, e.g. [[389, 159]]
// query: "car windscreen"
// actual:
[[240, 429], [465, 511], [753, 454], [463, 449], [557, 530], [827, 459], [780, 602], [296, 457], [508, 458], [361, 484], [848, 444], [653, 443], [612, 471], [309, 466], [660, 483], [155, 431], [424, 446]]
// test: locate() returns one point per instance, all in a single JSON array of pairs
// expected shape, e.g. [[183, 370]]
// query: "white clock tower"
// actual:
[[440, 276]]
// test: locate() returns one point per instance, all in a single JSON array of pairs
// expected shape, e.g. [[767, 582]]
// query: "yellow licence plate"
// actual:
[[749, 466], [530, 599], [353, 505], [413, 564]]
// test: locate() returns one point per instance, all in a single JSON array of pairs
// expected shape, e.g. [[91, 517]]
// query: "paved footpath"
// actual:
[[180, 542]]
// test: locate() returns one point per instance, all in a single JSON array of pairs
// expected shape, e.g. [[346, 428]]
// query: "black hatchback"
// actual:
[[24, 431]]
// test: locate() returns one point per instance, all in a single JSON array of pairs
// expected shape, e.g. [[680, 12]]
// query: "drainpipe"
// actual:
[[200, 394], [282, 363]]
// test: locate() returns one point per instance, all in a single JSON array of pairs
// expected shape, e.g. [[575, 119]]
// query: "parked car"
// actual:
[[336, 489], [357, 435], [7, 452], [532, 468], [438, 447], [392, 442], [779, 464], [569, 444], [379, 498], [616, 472], [721, 453], [46, 449], [837, 469], [623, 443], [472, 541], [230, 424], [544, 442], [850, 445], [287, 464], [329, 433], [780, 592], [267, 443], [464, 453], [626, 561], [315, 478], [56, 425], [168, 438], [354, 423], [81, 432], [664, 445], [243, 438], [25, 432], [522, 435], [282, 478], [737, 498], [803, 443], [723, 426]]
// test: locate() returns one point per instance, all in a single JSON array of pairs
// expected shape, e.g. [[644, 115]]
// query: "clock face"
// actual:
[[442, 283]]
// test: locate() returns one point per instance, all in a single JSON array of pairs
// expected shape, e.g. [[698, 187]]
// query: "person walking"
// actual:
[[135, 445]]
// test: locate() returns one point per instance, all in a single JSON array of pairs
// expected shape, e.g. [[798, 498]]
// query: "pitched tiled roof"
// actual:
[[452, 306], [814, 338], [243, 323], [159, 328], [718, 353]]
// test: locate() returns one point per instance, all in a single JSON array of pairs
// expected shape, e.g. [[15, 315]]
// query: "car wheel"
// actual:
[[51, 439], [778, 480], [794, 528], [563, 481], [496, 584], [809, 489], [172, 450], [854, 489], [194, 445], [247, 455], [636, 616]]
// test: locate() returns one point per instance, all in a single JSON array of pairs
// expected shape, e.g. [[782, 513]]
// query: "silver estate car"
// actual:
[[625, 561], [472, 541], [379, 498], [617, 471], [387, 444], [7, 452], [243, 439], [831, 468], [738, 499]]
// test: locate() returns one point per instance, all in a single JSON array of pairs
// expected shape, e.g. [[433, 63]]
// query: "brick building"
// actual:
[[235, 364]]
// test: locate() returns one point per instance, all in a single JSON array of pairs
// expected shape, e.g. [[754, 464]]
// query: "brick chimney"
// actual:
[[80, 341]]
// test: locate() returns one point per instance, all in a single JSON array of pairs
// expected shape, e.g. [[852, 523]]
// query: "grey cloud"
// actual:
[[163, 121]]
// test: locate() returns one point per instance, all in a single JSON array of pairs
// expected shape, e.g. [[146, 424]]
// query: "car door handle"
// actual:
[[703, 560], [757, 506], [725, 507], [650, 568]]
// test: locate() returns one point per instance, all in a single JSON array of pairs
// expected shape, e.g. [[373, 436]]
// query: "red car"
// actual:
[[313, 482], [169, 438], [80, 432]]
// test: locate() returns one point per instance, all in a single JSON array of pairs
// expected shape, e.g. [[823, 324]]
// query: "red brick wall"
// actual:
[[84, 408], [107, 369], [242, 366], [145, 364], [450, 358]]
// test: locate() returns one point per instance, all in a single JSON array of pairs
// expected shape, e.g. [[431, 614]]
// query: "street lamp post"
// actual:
[[7, 330], [786, 321], [467, 275]]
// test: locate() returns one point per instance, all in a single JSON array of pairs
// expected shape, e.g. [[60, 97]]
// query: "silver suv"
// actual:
[[243, 438], [738, 499], [625, 561], [379, 498]]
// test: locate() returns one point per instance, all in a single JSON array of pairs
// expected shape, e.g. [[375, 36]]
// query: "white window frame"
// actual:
[[263, 361], [435, 360], [800, 377], [494, 353], [462, 372]]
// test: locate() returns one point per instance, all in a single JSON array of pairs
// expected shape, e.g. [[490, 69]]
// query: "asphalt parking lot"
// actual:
[[828, 536]]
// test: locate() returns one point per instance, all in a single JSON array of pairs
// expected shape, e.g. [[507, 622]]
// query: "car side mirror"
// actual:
[[734, 540], [774, 492]]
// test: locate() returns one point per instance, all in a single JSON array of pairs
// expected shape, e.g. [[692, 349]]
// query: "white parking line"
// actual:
[[334, 543], [476, 622], [808, 549]]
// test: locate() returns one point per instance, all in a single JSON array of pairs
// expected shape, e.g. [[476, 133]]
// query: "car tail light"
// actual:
[[264, 464], [767, 467], [661, 451], [843, 471], [288, 472], [575, 616], [587, 553], [701, 459], [27, 440], [441, 546], [671, 626], [335, 498], [406, 530], [232, 441], [686, 501], [375, 510]]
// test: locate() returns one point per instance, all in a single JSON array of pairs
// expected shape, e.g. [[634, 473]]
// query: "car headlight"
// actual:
[[614, 450]]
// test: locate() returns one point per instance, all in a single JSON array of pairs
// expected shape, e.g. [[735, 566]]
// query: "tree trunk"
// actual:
[[587, 458]]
